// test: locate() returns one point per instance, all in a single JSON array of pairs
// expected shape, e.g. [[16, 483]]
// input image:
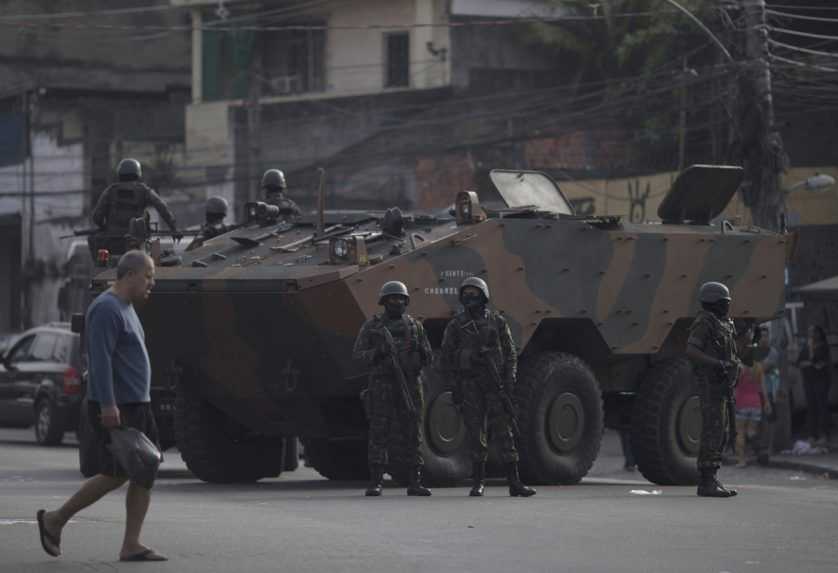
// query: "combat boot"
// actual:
[[376, 481], [478, 478], [416, 487], [709, 486], [516, 486]]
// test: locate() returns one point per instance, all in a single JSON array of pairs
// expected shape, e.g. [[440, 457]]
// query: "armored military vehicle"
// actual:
[[251, 336]]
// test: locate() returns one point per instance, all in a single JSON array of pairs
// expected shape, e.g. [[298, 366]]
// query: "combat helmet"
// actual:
[[477, 283], [274, 180], [217, 206], [393, 288], [129, 170], [713, 292]]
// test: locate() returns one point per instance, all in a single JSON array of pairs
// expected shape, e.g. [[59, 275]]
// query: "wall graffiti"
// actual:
[[583, 206], [637, 200]]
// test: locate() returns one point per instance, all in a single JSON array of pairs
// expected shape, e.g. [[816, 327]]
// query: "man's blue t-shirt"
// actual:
[[119, 368]]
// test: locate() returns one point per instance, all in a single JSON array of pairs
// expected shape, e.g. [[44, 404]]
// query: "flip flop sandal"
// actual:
[[51, 545], [145, 555]]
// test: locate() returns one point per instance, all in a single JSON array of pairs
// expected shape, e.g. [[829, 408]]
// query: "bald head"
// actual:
[[134, 276], [132, 262]]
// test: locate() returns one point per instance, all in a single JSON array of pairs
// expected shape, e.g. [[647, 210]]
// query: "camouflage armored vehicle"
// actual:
[[251, 337]]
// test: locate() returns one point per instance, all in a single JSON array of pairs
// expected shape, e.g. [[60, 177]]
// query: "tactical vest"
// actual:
[[126, 200], [722, 339], [483, 332], [405, 333]]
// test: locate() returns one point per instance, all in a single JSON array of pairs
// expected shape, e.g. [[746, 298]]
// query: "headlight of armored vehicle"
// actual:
[[348, 251]]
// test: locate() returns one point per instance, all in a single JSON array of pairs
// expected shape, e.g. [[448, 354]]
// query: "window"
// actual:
[[397, 59], [20, 353], [63, 349], [43, 347], [293, 61], [270, 63]]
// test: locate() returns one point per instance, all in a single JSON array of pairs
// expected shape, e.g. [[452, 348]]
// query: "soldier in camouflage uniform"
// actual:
[[274, 186], [121, 202], [215, 212], [712, 349], [475, 335], [385, 403]]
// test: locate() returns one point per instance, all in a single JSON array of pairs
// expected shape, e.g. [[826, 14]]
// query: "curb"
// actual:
[[807, 467]]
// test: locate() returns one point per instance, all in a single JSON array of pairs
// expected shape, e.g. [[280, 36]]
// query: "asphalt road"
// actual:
[[614, 521]]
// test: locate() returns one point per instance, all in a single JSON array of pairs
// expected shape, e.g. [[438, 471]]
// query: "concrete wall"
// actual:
[[355, 59], [70, 55], [59, 201]]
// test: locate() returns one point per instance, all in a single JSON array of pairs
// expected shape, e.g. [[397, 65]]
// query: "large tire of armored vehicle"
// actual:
[[560, 417], [216, 449], [444, 448], [667, 424], [337, 459]]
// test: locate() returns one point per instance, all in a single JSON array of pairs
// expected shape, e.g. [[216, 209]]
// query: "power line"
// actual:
[[114, 12], [796, 7], [802, 65], [325, 27], [799, 49], [801, 16], [802, 34]]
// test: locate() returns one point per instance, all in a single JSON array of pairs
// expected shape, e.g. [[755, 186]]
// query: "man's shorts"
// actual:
[[136, 415], [749, 414]]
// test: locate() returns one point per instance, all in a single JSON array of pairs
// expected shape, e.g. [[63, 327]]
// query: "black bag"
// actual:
[[137, 455]]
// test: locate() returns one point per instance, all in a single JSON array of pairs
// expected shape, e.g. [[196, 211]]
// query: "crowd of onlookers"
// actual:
[[758, 393], [759, 386]]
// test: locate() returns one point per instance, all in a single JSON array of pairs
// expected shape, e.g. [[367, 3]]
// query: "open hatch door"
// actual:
[[519, 189], [700, 194]]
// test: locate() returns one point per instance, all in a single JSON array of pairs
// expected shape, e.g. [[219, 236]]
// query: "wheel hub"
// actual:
[[446, 431], [688, 424], [565, 422]]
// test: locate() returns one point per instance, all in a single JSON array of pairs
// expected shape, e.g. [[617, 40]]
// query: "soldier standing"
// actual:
[[215, 212], [712, 349], [274, 185], [396, 348], [473, 338], [123, 201]]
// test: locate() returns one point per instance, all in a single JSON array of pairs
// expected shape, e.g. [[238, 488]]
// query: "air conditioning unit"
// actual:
[[286, 85]]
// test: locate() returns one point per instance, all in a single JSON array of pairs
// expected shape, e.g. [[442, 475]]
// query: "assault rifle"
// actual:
[[401, 380], [730, 373], [81, 233], [503, 392]]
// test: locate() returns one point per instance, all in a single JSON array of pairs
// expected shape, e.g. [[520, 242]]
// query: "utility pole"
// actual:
[[760, 145]]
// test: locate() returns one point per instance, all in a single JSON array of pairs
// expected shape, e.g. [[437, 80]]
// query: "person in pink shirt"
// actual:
[[750, 394]]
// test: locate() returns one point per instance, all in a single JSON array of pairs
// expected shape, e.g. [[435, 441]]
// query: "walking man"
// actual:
[[396, 348], [479, 354], [712, 349], [118, 394]]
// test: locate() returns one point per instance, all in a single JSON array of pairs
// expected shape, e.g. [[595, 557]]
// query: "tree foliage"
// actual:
[[620, 38]]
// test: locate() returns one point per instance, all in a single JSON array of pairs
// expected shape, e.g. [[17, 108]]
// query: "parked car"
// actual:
[[6, 340], [40, 382]]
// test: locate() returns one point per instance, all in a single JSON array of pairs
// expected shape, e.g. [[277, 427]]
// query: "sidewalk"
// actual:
[[821, 464]]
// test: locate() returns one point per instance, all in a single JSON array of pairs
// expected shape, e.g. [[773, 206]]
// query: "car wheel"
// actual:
[[48, 429]]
